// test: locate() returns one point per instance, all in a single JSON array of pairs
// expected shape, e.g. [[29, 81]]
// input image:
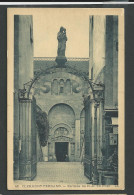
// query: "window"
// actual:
[[68, 86], [55, 87], [61, 86]]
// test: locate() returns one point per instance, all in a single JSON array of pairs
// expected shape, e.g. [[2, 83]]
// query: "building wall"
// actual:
[[25, 47], [81, 64], [111, 86], [104, 69], [111, 63], [50, 86], [103, 48], [23, 71], [97, 47]]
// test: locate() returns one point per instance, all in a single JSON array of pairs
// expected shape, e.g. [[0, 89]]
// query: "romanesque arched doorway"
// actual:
[[61, 143], [61, 133]]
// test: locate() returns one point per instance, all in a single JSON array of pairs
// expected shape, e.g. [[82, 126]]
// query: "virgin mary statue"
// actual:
[[62, 38]]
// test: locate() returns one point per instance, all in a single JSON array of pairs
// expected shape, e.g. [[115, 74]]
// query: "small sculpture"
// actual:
[[62, 38]]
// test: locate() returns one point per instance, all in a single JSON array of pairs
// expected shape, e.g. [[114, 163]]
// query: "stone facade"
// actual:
[[103, 47], [59, 94]]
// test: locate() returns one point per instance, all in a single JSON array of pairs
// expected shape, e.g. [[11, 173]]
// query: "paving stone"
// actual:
[[61, 172]]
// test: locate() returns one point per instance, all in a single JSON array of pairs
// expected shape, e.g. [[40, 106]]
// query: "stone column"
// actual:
[[50, 150], [28, 157], [16, 137], [77, 140], [39, 149], [88, 106], [92, 138], [100, 135], [95, 145], [45, 153], [82, 129], [53, 150], [72, 151], [97, 130]]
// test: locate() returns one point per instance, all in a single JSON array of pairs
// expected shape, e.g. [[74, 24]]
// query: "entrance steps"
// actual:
[[61, 172]]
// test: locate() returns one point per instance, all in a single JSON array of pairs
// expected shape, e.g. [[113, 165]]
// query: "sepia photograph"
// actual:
[[65, 98]]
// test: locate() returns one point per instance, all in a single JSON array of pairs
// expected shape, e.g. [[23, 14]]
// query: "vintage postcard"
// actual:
[[65, 98]]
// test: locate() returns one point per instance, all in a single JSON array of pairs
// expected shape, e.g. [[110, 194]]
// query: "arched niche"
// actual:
[[61, 86], [54, 87], [61, 132], [68, 86], [61, 113]]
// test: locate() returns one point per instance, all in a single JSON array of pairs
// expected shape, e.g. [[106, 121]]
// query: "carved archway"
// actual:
[[96, 99], [27, 90], [62, 133]]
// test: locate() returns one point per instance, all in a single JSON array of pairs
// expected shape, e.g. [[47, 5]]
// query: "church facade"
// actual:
[[60, 95]]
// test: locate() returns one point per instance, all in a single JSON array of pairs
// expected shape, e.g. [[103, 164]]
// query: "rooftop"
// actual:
[[82, 64]]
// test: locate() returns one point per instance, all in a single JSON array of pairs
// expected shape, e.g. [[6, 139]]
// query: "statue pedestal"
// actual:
[[61, 60]]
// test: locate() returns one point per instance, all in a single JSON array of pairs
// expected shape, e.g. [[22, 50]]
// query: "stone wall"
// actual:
[[53, 88], [23, 72]]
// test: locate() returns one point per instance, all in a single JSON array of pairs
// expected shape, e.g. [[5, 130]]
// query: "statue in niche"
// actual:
[[62, 38]]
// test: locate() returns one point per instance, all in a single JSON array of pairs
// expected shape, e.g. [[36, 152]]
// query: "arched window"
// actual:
[[68, 86], [61, 86], [54, 87]]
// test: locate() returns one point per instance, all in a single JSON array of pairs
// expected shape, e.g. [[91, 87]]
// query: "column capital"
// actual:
[[99, 93], [96, 104]]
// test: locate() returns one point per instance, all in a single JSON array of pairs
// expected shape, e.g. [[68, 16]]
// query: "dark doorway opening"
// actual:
[[61, 151]]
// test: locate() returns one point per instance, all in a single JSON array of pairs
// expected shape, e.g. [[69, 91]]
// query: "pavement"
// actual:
[[61, 172]]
